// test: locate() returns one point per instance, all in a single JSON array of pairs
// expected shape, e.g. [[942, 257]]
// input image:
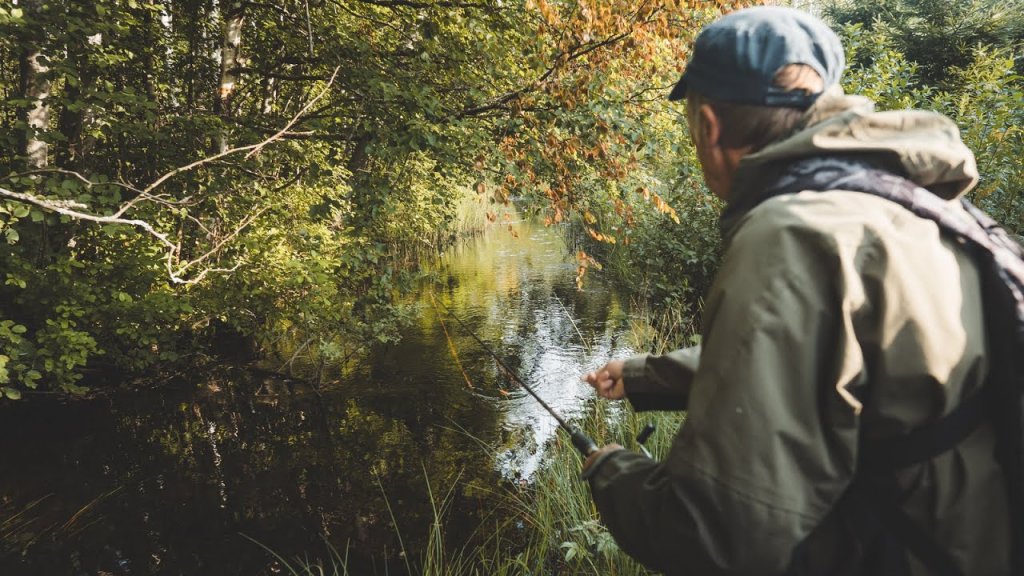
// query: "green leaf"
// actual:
[[77, 390], [572, 549], [12, 393]]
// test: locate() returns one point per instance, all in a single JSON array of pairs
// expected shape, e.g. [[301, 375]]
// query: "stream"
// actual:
[[210, 478]]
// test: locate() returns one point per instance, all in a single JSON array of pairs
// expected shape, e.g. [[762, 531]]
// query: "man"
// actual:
[[837, 320]]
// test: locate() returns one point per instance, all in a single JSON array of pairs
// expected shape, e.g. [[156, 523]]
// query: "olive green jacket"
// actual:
[[834, 314]]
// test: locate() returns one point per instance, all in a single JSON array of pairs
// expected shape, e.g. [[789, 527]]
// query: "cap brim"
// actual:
[[679, 90]]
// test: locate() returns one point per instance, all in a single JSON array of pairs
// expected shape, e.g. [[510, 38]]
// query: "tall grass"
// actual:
[[555, 528], [567, 536]]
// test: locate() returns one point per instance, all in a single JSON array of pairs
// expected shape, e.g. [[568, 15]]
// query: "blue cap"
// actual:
[[736, 57]]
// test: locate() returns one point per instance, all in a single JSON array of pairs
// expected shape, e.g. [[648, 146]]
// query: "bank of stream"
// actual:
[[184, 481]]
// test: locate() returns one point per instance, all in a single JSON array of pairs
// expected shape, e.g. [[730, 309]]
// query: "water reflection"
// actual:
[[166, 483], [546, 330]]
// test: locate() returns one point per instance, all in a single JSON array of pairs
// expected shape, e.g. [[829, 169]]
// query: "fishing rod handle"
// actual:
[[585, 445], [644, 434]]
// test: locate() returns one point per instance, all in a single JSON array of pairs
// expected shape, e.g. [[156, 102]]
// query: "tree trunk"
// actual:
[[231, 36], [35, 87], [269, 95], [75, 115]]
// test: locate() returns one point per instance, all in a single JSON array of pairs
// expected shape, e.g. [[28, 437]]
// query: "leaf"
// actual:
[[572, 550], [12, 393]]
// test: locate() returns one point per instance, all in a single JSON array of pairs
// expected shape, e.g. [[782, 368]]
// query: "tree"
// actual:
[[938, 36], [233, 18], [359, 129], [35, 86]]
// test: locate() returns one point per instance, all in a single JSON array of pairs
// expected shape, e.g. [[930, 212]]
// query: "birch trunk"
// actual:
[[36, 88], [231, 35], [269, 95]]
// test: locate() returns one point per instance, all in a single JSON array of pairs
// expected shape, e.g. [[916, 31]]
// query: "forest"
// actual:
[[186, 176], [183, 176], [189, 185]]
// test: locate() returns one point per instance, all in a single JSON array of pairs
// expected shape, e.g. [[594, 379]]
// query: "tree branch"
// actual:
[[176, 268], [560, 61], [256, 149], [251, 148], [413, 4]]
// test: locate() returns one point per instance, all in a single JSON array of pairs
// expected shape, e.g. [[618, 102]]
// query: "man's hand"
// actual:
[[607, 380], [601, 454]]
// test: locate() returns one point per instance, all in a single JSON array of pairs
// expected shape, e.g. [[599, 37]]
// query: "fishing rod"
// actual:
[[581, 441]]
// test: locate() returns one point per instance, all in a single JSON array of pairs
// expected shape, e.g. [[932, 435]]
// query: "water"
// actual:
[[184, 481]]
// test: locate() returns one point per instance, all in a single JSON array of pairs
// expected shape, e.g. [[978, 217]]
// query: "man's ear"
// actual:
[[710, 125]]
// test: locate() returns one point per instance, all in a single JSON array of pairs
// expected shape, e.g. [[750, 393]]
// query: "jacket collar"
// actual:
[[924, 147]]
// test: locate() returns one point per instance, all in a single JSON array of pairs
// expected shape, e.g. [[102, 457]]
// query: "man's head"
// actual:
[[751, 76]]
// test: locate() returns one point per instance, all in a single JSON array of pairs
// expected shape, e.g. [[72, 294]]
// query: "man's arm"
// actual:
[[661, 382], [650, 382], [770, 439]]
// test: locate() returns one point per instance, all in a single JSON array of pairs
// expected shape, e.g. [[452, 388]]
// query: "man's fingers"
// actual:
[[605, 381], [596, 378]]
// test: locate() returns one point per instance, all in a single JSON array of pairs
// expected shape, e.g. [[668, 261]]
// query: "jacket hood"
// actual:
[[924, 147]]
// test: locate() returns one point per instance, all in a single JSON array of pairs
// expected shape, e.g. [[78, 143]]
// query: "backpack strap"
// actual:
[[879, 495], [973, 226], [882, 455]]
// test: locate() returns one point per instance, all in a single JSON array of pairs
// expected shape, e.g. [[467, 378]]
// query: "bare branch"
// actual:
[[141, 195], [251, 148], [412, 4], [216, 249], [561, 60], [180, 271], [287, 127], [72, 209], [175, 269], [277, 75]]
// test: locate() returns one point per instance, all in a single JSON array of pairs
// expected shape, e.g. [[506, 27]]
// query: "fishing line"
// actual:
[[451, 344]]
